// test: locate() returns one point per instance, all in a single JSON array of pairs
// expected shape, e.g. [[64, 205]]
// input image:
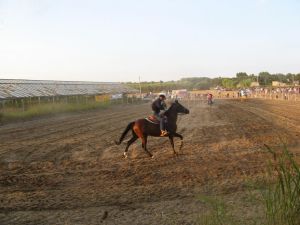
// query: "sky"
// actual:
[[155, 40]]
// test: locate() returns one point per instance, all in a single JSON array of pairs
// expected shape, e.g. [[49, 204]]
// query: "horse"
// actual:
[[142, 128]]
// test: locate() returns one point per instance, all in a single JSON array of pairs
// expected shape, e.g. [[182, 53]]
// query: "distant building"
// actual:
[[14, 88], [296, 83], [179, 94], [254, 84], [278, 84]]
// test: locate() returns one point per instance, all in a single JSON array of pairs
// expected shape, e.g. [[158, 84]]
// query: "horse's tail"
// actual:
[[129, 127]]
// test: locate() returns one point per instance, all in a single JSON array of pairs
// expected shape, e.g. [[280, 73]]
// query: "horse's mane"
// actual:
[[169, 109]]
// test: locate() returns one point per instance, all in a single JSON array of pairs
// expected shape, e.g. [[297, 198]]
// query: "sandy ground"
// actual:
[[67, 170]]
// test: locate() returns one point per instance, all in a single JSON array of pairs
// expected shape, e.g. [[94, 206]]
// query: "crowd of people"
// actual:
[[278, 90], [275, 92]]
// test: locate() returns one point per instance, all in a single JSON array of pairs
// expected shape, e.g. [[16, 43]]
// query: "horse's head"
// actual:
[[180, 108]]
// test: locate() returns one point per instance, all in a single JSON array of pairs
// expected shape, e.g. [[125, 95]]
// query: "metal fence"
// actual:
[[23, 104], [261, 94]]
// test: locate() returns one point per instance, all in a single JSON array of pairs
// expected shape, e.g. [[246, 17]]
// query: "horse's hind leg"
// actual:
[[133, 139], [144, 145]]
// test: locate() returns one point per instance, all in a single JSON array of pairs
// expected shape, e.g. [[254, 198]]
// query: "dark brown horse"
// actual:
[[142, 128]]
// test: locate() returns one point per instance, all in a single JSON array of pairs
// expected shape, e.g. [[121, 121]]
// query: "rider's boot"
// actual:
[[164, 133]]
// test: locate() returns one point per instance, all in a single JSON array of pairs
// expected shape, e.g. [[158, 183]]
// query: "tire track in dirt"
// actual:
[[64, 132], [222, 150], [61, 126]]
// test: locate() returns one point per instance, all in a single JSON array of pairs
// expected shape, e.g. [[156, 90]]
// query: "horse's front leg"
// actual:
[[181, 138], [171, 138]]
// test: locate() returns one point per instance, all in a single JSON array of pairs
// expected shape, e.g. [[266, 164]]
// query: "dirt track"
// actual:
[[67, 170]]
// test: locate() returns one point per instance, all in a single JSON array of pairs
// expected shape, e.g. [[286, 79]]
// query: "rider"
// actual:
[[209, 98], [159, 107]]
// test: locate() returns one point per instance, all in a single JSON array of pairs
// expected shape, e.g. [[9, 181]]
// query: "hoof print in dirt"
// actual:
[[104, 216]]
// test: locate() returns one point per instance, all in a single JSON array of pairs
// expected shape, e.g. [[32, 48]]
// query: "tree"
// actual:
[[228, 83], [264, 78], [279, 77], [290, 78], [241, 75], [245, 83]]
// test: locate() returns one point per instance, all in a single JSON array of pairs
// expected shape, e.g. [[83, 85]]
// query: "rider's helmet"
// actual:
[[162, 95]]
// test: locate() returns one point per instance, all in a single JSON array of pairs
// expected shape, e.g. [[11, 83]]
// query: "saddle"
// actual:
[[152, 119]]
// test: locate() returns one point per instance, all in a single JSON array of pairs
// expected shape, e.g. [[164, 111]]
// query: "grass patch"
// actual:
[[16, 114], [219, 213], [279, 196], [282, 197]]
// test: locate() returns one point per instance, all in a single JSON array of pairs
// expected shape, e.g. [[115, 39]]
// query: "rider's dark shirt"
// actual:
[[158, 105]]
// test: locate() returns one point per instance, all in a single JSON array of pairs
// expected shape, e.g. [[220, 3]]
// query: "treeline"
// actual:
[[241, 80]]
